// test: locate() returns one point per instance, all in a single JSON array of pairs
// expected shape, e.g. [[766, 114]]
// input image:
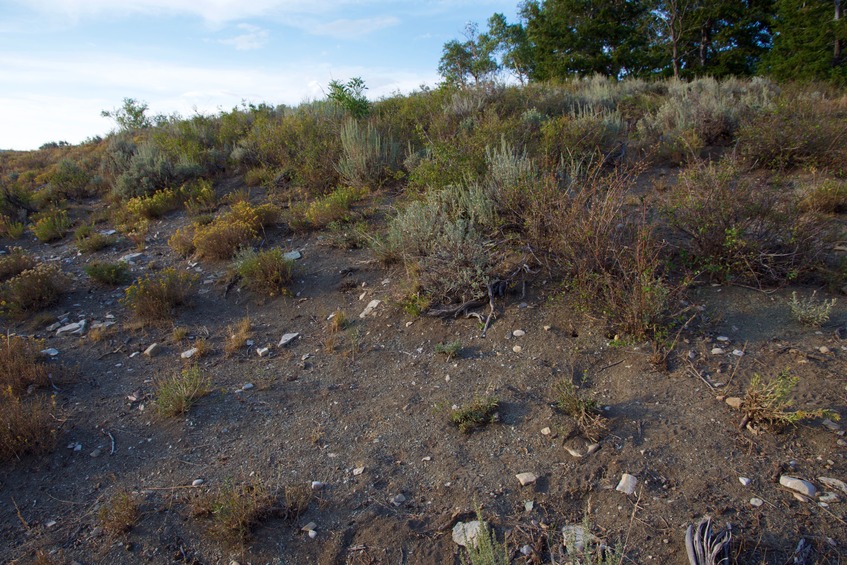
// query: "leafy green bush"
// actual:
[[109, 274], [334, 207], [150, 169], [70, 180]]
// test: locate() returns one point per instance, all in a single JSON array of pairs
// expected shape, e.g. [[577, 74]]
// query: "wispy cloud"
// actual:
[[253, 37]]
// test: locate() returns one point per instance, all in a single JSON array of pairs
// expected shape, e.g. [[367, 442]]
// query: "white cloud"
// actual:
[[253, 37], [351, 29]]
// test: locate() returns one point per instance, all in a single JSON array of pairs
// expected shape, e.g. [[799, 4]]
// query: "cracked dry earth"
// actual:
[[366, 412]]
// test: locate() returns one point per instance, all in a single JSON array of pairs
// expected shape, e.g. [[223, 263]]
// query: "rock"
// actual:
[[51, 352], [828, 424], [312, 534], [263, 351], [96, 453], [197, 482], [310, 527], [153, 350], [756, 502], [576, 537], [288, 338], [358, 471], [76, 328], [247, 386], [834, 483], [526, 478], [466, 534], [546, 431], [130, 257], [317, 485], [723, 338], [627, 484], [717, 351], [573, 452], [54, 327], [800, 486], [744, 481], [841, 332], [733, 401], [398, 500], [823, 349], [188, 353], [370, 308], [547, 328], [518, 333], [517, 349], [292, 255], [593, 448], [738, 353]]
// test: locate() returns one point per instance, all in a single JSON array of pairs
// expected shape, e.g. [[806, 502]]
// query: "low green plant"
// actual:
[[51, 225], [583, 548], [108, 274], [175, 394], [479, 413], [449, 349], [334, 207], [11, 229], [828, 197], [266, 272], [585, 412], [810, 311], [154, 298], [766, 404]]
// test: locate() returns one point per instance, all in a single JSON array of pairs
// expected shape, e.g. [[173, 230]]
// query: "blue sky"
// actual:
[[63, 61]]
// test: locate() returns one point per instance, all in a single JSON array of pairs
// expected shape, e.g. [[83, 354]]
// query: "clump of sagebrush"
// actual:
[[767, 404], [810, 311], [334, 207], [479, 413], [176, 394], [51, 225], [88, 240], [155, 298], [585, 411], [16, 262], [449, 349], [266, 272], [236, 509], [108, 274], [227, 233], [119, 514], [32, 290]]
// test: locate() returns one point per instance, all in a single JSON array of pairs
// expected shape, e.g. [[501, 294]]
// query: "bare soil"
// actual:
[[376, 398]]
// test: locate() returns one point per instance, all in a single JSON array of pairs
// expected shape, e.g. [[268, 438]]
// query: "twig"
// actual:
[[735, 369], [178, 487], [600, 370], [111, 437], [701, 377], [631, 520], [20, 516]]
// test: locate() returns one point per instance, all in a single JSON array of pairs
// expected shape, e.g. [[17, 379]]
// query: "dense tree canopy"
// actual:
[[556, 39]]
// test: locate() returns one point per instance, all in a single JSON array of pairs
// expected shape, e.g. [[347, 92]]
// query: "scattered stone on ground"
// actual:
[[803, 489], [526, 478], [288, 338], [153, 350], [466, 534], [372, 305], [188, 353], [627, 484]]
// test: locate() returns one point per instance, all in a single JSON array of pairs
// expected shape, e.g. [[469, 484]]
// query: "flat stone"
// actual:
[[546, 431], [517, 349], [723, 338], [518, 333], [717, 351], [358, 471], [96, 453], [310, 527], [398, 500], [526, 478], [627, 484], [188, 353], [370, 308], [317, 485], [292, 255], [828, 424], [129, 258], [153, 350], [756, 502], [738, 353], [53, 327], [466, 534], [288, 338], [263, 351], [76, 327], [800, 486], [834, 483], [823, 349], [733, 401], [744, 481], [197, 482], [51, 352]]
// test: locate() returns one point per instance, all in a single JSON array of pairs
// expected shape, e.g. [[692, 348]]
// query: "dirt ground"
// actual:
[[366, 412]]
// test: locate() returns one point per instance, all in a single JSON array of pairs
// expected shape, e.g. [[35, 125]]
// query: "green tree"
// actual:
[[351, 96], [131, 116], [512, 44], [807, 42], [472, 59]]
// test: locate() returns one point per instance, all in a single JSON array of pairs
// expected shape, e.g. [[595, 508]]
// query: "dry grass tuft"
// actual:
[[119, 514], [237, 337], [176, 394]]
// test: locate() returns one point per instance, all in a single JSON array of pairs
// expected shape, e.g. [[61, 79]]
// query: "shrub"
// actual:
[[154, 205], [11, 229], [828, 197], [477, 414], [266, 272], [176, 394], [51, 225], [154, 299], [69, 180], [21, 365], [585, 412], [16, 262], [449, 349], [149, 169], [766, 404], [89, 241], [222, 238], [182, 241], [334, 207], [199, 196], [118, 514], [108, 274], [809, 311], [236, 510], [368, 158], [32, 290]]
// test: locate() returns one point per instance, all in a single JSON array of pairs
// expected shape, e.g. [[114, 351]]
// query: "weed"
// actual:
[[338, 322], [766, 404], [119, 514], [829, 197], [809, 311], [11, 229], [51, 225], [487, 551], [236, 509], [415, 304], [237, 337], [27, 426], [179, 333], [586, 549], [477, 414], [202, 348], [449, 349], [153, 206], [176, 394], [266, 272], [297, 500], [32, 290], [108, 274], [586, 412], [21, 365], [154, 298], [334, 207]]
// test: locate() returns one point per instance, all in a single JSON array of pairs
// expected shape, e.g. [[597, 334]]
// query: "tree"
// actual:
[[351, 96], [131, 116], [512, 44], [469, 59]]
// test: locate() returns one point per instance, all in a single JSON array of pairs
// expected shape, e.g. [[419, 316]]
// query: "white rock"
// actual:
[[627, 484], [54, 327], [738, 353], [51, 352], [517, 349], [370, 308], [798, 485], [189, 353], [310, 527], [834, 483], [197, 482], [292, 255], [247, 386], [398, 500], [717, 351], [526, 478], [466, 534], [153, 350], [77, 327], [518, 333], [129, 258], [317, 485], [288, 338], [263, 351], [723, 338], [312, 534], [134, 354], [744, 481], [546, 431], [576, 537], [358, 471], [823, 349], [734, 401], [756, 502], [593, 448]]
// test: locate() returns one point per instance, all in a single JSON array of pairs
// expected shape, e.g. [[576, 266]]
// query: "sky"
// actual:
[[62, 62]]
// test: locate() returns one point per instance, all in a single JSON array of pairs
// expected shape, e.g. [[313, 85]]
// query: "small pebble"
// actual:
[[398, 500], [96, 453], [733, 401], [627, 484], [546, 431], [517, 349], [526, 478], [262, 351], [823, 349], [358, 471], [756, 502], [744, 481], [717, 351], [197, 482], [247, 386], [518, 333], [723, 338]]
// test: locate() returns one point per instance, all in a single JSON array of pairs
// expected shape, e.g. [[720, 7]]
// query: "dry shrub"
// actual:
[[222, 238], [237, 337], [155, 298], [266, 272], [334, 207], [119, 514], [585, 412], [51, 225], [182, 242], [21, 365], [477, 414], [32, 290], [176, 394], [16, 262], [767, 403], [236, 509], [828, 197]]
